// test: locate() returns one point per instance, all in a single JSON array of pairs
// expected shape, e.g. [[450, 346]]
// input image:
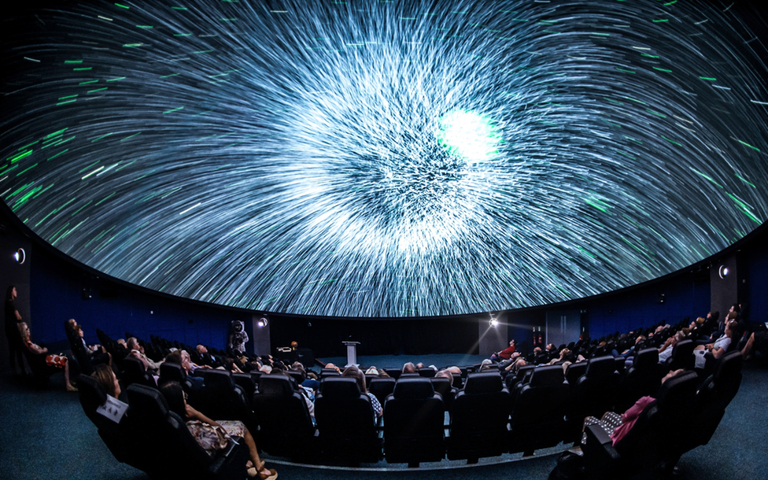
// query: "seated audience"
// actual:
[[181, 358], [409, 368], [137, 351], [203, 429], [96, 353], [665, 352], [52, 361], [504, 354], [716, 349]]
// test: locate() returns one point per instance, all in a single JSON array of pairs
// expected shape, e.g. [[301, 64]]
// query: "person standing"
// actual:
[[12, 320]]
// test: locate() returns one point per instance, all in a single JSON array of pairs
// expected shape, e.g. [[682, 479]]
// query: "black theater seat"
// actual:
[[479, 418], [345, 421], [413, 423], [538, 414], [285, 426], [170, 450]]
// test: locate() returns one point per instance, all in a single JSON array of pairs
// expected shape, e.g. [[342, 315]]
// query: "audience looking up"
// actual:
[[55, 362]]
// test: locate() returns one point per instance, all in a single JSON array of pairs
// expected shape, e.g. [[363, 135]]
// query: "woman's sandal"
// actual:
[[272, 475]]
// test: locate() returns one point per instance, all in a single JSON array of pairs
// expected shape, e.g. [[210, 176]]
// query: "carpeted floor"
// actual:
[[45, 435]]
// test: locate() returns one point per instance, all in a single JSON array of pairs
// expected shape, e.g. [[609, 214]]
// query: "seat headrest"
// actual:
[[339, 388], [217, 378], [133, 365], [172, 371], [678, 391], [646, 358], [600, 367], [413, 389], [728, 367], [91, 394], [576, 369], [483, 383], [545, 376], [275, 385], [147, 402]]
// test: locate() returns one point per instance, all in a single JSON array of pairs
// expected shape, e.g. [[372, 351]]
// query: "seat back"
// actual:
[[381, 388], [413, 423], [443, 386], [594, 394], [285, 425], [221, 399], [712, 398], [345, 421], [174, 453], [132, 371], [538, 412], [641, 379], [479, 418], [682, 355]]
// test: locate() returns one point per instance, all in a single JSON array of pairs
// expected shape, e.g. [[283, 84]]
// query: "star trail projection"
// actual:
[[386, 158]]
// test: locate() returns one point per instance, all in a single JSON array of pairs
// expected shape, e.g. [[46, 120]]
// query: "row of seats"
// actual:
[[681, 418], [486, 419]]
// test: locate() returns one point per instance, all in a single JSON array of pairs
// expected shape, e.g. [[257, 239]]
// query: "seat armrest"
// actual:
[[600, 458], [229, 462]]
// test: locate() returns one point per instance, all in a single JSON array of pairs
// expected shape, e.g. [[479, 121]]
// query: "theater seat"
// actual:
[[538, 414], [132, 371], [345, 422], [682, 356], [221, 399], [381, 388], [413, 423], [443, 386], [114, 435], [594, 394], [712, 398], [479, 418], [641, 379], [170, 450], [285, 426], [643, 450]]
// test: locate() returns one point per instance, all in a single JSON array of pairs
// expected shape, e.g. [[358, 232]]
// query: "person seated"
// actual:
[[505, 354], [629, 352], [445, 373], [354, 372], [665, 352], [617, 426], [97, 354], [107, 380], [182, 358], [200, 427], [716, 349], [409, 367], [757, 341], [53, 362], [564, 355], [137, 351], [333, 366], [516, 357]]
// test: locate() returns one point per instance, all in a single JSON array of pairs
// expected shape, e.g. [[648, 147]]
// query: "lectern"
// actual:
[[351, 353]]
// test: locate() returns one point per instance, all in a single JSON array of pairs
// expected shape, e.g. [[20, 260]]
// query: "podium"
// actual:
[[351, 353]]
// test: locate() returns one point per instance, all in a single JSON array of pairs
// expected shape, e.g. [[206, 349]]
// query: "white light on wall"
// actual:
[[20, 256], [263, 322], [723, 271]]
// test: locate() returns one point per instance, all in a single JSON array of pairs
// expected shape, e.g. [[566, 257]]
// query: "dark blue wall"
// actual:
[[56, 287], [56, 295]]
